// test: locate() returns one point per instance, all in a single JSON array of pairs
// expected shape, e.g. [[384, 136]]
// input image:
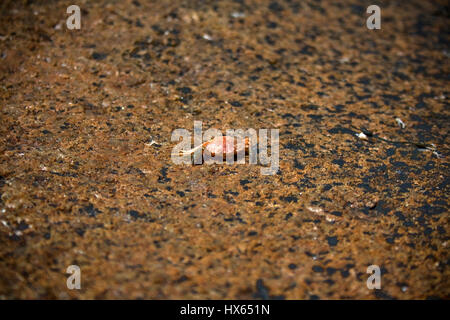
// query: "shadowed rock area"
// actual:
[[86, 176]]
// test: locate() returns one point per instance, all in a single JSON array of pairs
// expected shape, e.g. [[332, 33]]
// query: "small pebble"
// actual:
[[400, 123], [361, 135]]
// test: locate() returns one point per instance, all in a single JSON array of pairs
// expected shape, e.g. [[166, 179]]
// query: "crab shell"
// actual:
[[225, 145]]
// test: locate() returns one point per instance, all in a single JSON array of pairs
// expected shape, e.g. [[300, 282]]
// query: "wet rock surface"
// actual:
[[82, 183]]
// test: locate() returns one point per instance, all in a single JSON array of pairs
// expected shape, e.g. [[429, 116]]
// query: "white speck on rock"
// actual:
[[315, 209], [361, 135], [207, 37], [237, 15], [400, 123]]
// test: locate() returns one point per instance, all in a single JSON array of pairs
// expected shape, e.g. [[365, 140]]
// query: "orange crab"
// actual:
[[224, 145]]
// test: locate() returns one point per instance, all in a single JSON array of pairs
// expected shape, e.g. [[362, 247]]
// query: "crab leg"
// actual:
[[188, 152]]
